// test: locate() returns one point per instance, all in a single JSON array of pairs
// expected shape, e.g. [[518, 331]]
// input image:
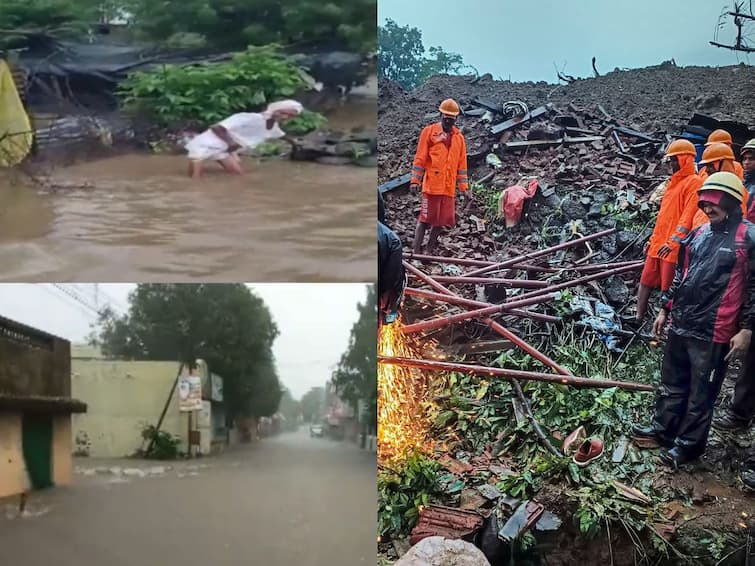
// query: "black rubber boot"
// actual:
[[643, 431], [650, 433], [675, 457]]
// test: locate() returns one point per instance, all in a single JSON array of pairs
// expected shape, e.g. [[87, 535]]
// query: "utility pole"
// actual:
[[741, 19]]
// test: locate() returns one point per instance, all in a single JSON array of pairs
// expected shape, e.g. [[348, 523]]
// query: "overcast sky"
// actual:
[[522, 40], [314, 320]]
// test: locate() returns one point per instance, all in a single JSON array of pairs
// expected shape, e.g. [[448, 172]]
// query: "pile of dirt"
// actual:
[[660, 98]]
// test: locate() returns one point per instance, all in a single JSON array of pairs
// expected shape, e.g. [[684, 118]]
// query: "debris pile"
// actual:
[[545, 367]]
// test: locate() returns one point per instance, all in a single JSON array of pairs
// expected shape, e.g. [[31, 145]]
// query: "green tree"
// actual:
[[290, 408], [402, 57], [355, 376], [235, 24], [312, 404], [227, 325], [63, 18]]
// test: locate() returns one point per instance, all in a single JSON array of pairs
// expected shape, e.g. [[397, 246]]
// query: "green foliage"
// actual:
[[270, 148], [305, 123], [161, 445], [355, 375], [63, 18], [226, 325], [204, 94], [402, 492], [401, 56], [234, 24], [290, 408], [312, 404]]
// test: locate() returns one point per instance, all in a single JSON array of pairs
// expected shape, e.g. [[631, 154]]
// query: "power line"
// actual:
[[76, 297], [67, 300]]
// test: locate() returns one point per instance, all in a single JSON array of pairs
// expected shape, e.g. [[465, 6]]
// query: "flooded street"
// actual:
[[144, 220], [285, 501]]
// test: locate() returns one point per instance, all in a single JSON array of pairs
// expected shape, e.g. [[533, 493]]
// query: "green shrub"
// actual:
[[162, 445], [197, 96], [305, 123], [403, 492]]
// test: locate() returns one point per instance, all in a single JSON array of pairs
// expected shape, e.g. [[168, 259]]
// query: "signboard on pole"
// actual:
[[189, 393]]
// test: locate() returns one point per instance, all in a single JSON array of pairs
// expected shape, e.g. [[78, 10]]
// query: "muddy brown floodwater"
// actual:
[[144, 220]]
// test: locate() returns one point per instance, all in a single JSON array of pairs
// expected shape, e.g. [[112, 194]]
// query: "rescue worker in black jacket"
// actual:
[[391, 275], [740, 412], [712, 308]]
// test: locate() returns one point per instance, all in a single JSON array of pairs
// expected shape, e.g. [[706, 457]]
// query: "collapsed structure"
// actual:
[[541, 270]]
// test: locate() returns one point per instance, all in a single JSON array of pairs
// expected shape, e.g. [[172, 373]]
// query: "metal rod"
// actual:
[[515, 283], [570, 380], [524, 313], [453, 260], [454, 318], [470, 303], [579, 281], [496, 327], [539, 253]]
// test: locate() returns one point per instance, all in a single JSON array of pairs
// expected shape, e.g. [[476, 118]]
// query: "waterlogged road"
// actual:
[[288, 501], [139, 218]]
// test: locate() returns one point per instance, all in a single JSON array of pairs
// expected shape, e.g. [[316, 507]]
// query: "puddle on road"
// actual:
[[144, 220], [31, 512]]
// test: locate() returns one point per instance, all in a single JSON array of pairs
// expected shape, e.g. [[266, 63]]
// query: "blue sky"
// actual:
[[522, 40]]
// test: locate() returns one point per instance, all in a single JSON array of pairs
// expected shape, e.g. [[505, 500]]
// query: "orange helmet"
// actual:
[[716, 152], [450, 107], [681, 147], [719, 136]]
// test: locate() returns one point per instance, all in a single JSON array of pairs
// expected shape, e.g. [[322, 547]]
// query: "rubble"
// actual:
[[594, 147]]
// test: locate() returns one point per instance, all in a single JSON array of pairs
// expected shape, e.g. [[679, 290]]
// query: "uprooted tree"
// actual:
[[227, 325], [402, 56]]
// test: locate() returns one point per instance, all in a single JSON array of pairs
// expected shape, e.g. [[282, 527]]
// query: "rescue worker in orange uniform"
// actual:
[[724, 137], [440, 167], [717, 157], [673, 224]]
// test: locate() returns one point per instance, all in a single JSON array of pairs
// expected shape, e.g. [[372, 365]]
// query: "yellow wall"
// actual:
[[121, 396], [62, 459], [13, 477]]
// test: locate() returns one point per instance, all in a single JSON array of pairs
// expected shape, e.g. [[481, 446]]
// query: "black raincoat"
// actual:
[[712, 297], [390, 267]]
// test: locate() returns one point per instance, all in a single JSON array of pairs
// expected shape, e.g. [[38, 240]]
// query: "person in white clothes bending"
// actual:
[[222, 141]]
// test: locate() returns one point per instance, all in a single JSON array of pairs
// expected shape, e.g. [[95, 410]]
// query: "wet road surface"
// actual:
[[140, 218], [286, 501]]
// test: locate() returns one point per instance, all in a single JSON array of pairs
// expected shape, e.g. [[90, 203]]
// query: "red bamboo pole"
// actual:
[[503, 331], [579, 281], [443, 321], [538, 253], [570, 380], [598, 266], [524, 313], [470, 303], [514, 283], [453, 260]]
